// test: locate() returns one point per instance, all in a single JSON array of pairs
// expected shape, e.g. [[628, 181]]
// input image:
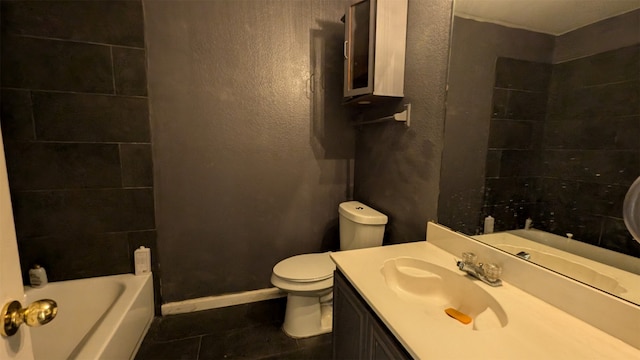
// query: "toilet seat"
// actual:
[[305, 268]]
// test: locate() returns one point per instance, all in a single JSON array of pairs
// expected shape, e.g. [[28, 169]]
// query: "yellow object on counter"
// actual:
[[463, 318]]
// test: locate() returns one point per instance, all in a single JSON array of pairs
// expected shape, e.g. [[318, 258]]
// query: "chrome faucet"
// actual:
[[487, 273]]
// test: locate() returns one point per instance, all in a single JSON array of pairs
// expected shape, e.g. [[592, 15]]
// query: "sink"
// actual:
[[572, 269], [433, 288]]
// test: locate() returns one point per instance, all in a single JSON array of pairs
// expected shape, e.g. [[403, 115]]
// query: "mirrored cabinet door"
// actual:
[[359, 32], [374, 49]]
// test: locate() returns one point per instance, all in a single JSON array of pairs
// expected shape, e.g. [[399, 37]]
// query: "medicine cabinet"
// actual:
[[374, 50]]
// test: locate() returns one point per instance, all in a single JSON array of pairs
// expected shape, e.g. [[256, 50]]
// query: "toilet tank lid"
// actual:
[[306, 267], [361, 213]]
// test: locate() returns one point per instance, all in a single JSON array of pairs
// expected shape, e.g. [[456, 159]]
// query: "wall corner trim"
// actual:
[[219, 301]]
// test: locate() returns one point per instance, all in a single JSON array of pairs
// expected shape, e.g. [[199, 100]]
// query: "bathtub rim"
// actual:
[[114, 317]]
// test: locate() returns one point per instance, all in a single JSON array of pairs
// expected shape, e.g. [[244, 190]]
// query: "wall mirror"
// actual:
[[543, 124]]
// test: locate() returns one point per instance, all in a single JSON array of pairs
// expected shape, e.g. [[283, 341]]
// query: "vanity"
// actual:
[[358, 332], [390, 301]]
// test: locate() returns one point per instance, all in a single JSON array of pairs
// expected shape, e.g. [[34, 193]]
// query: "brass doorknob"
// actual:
[[36, 314]]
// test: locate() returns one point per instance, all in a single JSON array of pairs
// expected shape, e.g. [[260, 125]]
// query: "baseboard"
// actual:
[[214, 302]]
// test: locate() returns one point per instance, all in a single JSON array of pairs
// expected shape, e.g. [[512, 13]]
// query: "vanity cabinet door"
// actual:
[[382, 344], [349, 322], [357, 331]]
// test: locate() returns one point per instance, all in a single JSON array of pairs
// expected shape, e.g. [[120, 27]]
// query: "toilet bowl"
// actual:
[[308, 279]]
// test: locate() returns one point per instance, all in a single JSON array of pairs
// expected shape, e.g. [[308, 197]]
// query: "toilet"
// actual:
[[308, 279]]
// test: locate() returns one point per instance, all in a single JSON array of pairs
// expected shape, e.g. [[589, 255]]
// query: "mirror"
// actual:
[[543, 127]]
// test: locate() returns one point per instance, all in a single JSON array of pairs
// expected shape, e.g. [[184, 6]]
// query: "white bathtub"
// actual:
[[557, 253], [98, 318]]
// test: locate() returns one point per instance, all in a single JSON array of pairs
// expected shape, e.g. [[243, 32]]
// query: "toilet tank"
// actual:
[[360, 226]]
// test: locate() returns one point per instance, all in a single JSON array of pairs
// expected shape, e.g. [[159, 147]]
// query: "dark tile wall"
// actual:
[[472, 101], [75, 123], [590, 134], [591, 153], [513, 157], [574, 180]]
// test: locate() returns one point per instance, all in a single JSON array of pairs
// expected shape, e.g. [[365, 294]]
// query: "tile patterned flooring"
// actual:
[[248, 331]]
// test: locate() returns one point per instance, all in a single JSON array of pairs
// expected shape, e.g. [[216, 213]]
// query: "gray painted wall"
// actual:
[[613, 33], [397, 170], [474, 49], [251, 153]]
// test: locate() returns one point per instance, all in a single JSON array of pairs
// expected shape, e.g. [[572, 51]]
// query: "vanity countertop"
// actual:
[[535, 329]]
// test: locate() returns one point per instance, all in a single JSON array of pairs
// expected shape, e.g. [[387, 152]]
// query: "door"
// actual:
[[359, 48], [17, 346], [349, 321]]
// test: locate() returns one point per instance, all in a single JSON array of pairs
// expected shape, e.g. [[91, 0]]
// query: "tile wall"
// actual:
[[75, 123], [512, 170], [591, 152], [475, 46], [574, 180]]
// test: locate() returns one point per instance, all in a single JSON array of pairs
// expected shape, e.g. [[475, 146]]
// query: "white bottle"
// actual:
[[37, 276], [142, 258], [528, 224], [488, 224]]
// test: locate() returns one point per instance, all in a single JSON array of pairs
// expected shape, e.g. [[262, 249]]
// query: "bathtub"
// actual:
[[98, 318], [574, 259]]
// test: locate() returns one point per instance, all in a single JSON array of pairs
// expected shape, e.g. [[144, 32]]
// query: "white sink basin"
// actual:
[[433, 289], [572, 269]]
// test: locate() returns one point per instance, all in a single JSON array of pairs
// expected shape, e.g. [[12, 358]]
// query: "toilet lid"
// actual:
[[305, 268]]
